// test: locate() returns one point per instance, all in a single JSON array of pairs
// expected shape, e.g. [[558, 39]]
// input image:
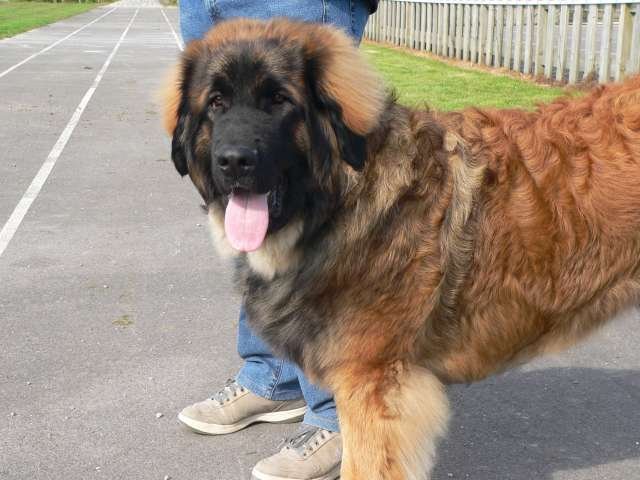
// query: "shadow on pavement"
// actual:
[[532, 425]]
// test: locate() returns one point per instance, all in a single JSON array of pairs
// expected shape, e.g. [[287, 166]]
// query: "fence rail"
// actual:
[[564, 40]]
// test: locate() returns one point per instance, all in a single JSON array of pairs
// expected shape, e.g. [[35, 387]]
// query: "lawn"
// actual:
[[16, 17], [422, 81]]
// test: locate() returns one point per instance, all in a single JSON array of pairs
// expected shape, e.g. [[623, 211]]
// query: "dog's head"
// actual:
[[267, 117]]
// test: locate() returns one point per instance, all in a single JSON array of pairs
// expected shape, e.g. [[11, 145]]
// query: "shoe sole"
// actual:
[[332, 475], [286, 416]]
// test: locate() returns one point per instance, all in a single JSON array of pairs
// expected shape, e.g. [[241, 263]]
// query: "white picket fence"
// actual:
[[563, 40]]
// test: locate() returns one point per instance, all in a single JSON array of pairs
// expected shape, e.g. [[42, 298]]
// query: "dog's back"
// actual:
[[557, 244]]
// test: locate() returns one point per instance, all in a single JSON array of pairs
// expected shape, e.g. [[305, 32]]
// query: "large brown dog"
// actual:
[[390, 251]]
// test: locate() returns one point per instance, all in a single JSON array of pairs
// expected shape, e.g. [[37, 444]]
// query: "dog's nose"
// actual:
[[236, 161]]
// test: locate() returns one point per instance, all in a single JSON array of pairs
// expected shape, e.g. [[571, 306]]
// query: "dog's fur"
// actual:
[[425, 248]]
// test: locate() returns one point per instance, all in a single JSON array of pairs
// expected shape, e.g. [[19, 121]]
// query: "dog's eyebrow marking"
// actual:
[[222, 83], [268, 84]]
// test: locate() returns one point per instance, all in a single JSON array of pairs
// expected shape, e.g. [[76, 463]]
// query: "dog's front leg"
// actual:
[[390, 419]]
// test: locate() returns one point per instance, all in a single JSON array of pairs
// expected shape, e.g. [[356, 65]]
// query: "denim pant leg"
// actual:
[[262, 373], [276, 379], [195, 19], [198, 16], [322, 408]]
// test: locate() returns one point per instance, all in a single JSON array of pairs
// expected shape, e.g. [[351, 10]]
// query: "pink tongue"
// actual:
[[246, 221]]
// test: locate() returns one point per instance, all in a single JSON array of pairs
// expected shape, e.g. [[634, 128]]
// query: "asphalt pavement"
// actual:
[[115, 312]]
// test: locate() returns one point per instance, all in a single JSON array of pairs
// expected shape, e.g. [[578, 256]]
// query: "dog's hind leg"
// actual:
[[390, 419]]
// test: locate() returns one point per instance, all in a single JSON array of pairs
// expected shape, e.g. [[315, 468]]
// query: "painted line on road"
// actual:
[[12, 225], [175, 35], [58, 42]]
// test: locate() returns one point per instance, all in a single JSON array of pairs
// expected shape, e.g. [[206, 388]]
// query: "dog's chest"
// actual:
[[276, 255]]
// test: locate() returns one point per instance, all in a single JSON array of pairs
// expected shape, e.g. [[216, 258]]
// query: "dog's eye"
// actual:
[[217, 101], [278, 98]]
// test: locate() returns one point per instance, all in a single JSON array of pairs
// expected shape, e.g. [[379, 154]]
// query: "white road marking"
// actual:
[[58, 42], [175, 35], [12, 225]]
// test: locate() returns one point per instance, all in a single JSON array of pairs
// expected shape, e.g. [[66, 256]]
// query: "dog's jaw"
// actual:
[[276, 255]]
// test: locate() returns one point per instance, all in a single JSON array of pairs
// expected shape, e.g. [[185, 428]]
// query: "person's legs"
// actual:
[[198, 16], [276, 375], [262, 373], [276, 380], [195, 19], [321, 408], [350, 15]]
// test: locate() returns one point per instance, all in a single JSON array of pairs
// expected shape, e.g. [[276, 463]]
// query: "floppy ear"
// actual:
[[323, 115], [345, 89], [178, 144], [173, 117], [176, 106], [352, 146]]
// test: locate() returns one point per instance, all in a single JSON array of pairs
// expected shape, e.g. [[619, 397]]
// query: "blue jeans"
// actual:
[[262, 373], [276, 379], [197, 16]]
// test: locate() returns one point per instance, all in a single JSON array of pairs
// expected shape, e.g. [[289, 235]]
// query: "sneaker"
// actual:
[[234, 408], [311, 454]]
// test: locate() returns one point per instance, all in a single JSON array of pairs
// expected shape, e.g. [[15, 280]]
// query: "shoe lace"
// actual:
[[230, 390], [306, 439]]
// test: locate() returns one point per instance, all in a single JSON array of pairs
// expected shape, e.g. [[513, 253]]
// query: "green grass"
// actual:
[[422, 81], [16, 17]]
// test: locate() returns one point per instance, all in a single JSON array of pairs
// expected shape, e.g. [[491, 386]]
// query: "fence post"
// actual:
[[409, 21], [392, 24], [435, 25], [380, 24], [576, 32], [605, 49], [540, 31], [548, 54], [428, 34], [459, 26], [448, 32], [417, 26], [623, 47], [489, 46], [634, 56], [451, 47], [422, 26], [444, 31], [475, 19], [517, 43], [508, 38], [387, 20], [497, 59], [482, 32], [375, 26], [466, 31], [399, 23], [562, 42], [590, 47], [528, 39], [440, 32], [451, 35], [403, 25]]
